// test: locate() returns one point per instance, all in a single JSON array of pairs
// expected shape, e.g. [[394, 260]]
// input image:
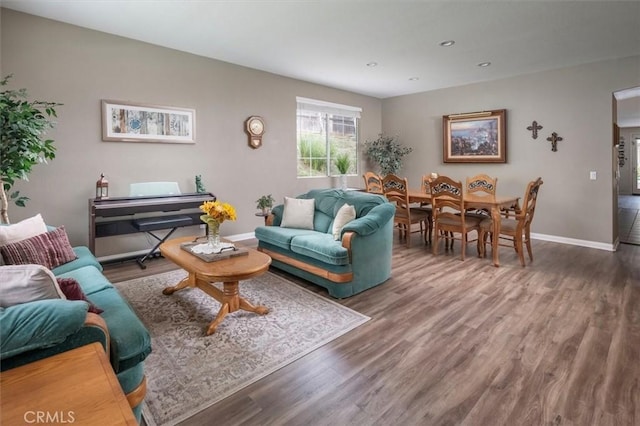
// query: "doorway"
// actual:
[[635, 162]]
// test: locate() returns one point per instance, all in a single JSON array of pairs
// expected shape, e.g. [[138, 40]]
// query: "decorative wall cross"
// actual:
[[554, 139], [534, 129]]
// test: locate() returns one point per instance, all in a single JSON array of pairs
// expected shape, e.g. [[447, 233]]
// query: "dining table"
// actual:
[[493, 203]]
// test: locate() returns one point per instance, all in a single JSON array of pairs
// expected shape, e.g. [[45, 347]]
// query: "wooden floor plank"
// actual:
[[456, 342]]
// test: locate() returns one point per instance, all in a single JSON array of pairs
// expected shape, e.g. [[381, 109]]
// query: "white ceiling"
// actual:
[[330, 42]]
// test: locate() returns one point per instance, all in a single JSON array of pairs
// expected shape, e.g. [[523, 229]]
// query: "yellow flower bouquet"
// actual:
[[217, 211]]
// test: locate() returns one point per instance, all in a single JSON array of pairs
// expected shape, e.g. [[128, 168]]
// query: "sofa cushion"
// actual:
[[50, 249], [322, 247], [130, 340], [280, 237], [39, 324], [84, 257], [27, 283], [298, 213], [90, 279], [345, 214]]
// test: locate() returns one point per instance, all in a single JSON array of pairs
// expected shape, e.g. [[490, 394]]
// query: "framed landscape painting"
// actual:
[[475, 137], [131, 122]]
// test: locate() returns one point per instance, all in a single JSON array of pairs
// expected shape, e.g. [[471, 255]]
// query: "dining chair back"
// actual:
[[447, 199], [516, 229], [484, 185], [373, 183], [396, 189]]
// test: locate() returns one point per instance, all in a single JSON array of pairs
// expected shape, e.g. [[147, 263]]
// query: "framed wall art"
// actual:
[[133, 122], [475, 137]]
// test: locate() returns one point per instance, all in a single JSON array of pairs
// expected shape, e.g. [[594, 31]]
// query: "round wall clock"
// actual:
[[255, 128]]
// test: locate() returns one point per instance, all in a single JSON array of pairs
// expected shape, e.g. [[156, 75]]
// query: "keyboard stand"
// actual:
[[148, 225]]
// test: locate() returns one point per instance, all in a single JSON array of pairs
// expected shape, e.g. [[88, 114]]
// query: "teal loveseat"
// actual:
[[39, 329], [358, 260]]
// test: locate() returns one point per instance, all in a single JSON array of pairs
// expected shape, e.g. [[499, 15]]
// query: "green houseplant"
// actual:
[[387, 153], [265, 203], [23, 145], [343, 162]]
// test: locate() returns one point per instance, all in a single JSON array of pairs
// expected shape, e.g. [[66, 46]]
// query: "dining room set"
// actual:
[[443, 208]]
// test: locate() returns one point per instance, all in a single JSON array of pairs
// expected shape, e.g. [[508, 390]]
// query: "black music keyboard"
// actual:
[[123, 215]]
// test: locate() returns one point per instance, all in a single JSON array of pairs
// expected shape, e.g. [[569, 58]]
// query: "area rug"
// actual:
[[188, 371]]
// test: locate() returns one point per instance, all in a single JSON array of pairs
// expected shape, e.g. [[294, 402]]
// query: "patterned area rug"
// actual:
[[189, 371]]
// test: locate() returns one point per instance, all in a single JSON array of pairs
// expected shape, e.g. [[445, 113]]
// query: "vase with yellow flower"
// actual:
[[216, 212]]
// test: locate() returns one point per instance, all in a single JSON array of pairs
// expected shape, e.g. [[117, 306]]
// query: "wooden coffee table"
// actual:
[[228, 271]]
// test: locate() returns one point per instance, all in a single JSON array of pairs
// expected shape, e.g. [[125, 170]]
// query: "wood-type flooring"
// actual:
[[465, 343]]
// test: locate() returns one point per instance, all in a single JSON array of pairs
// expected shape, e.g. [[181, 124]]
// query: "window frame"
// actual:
[[326, 111]]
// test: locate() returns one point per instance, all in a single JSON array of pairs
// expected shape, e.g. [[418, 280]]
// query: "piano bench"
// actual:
[[150, 224], [161, 222]]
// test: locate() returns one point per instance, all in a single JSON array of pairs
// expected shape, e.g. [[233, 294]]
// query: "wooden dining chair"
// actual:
[[396, 190], [448, 214], [483, 185], [373, 183], [425, 187], [516, 229]]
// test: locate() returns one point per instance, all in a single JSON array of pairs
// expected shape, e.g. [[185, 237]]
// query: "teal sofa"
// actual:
[[39, 329], [361, 259]]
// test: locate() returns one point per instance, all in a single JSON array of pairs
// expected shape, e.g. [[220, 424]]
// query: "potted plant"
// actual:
[[343, 162], [22, 145], [387, 153], [265, 203]]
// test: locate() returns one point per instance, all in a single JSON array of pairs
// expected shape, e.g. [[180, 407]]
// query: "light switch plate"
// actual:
[[593, 175]]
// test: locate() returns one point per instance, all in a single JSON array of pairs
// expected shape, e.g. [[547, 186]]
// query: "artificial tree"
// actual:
[[387, 153], [23, 145]]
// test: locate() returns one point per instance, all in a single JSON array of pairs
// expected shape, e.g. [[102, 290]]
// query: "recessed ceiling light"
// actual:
[[414, 78], [447, 43], [484, 64], [372, 64]]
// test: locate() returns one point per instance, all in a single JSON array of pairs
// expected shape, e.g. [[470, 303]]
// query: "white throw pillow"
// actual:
[[298, 213], [22, 230], [26, 283], [345, 214]]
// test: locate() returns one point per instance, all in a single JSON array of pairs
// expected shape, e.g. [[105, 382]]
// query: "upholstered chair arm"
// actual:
[[372, 221], [43, 328]]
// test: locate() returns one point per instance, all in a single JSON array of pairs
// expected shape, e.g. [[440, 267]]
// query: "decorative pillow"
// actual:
[[50, 249], [298, 213], [345, 214], [72, 290], [26, 283], [22, 230]]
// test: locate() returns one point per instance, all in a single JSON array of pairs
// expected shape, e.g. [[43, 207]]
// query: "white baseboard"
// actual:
[[251, 235], [575, 242]]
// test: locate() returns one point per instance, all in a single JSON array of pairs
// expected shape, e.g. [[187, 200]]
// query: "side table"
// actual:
[[77, 386], [264, 215]]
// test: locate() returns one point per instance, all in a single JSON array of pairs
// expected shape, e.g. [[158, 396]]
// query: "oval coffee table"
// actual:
[[228, 271]]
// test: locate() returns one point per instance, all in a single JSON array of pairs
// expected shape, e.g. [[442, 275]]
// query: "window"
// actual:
[[326, 132]]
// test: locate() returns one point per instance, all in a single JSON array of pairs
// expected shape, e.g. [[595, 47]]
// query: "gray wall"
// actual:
[[79, 67], [574, 102]]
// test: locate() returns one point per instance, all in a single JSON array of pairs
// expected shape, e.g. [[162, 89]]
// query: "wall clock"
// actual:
[[255, 128]]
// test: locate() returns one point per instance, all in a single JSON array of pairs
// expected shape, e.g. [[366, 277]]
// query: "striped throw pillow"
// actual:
[[50, 250]]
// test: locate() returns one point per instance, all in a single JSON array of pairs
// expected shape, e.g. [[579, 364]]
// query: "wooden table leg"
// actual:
[[189, 281], [230, 299], [495, 237]]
